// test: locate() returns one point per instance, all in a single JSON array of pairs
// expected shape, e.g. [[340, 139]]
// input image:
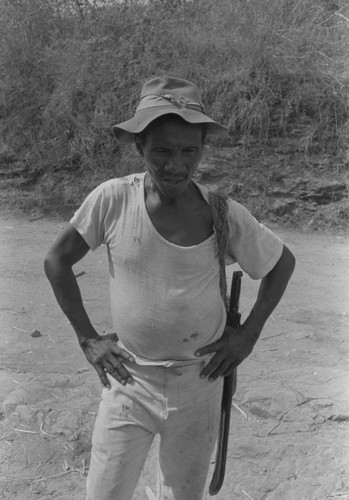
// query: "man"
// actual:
[[163, 370]]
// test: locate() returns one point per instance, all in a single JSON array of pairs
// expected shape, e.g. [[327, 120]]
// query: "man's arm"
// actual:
[[101, 351], [236, 344]]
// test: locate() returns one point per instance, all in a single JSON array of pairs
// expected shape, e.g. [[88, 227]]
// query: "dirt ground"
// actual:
[[290, 417]]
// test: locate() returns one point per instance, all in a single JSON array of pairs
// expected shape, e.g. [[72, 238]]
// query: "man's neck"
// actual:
[[156, 198], [185, 220]]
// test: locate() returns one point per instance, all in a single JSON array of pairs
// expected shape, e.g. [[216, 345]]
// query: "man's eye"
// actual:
[[190, 150], [160, 150]]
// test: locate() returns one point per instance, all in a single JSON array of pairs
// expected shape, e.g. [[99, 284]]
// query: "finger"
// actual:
[[103, 377], [214, 347], [118, 371], [123, 354], [116, 364], [214, 363], [230, 370], [225, 369]]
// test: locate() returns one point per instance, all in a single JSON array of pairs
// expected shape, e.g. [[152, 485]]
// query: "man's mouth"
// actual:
[[174, 180]]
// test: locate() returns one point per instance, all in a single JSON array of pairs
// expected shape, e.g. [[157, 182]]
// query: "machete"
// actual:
[[229, 388]]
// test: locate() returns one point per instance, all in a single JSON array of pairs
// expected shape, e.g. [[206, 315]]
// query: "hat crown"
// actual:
[[168, 85], [166, 95]]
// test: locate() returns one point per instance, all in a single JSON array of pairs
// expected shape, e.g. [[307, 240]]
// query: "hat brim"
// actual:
[[124, 132]]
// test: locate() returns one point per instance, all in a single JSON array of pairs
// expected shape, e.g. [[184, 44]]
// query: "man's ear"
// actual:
[[139, 145]]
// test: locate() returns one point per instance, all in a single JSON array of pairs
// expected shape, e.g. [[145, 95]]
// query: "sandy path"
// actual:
[[289, 429]]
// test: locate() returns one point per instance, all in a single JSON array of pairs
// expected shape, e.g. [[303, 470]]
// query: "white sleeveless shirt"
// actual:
[[165, 298]]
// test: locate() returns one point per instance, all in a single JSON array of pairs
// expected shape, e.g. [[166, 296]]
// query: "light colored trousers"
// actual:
[[173, 402]]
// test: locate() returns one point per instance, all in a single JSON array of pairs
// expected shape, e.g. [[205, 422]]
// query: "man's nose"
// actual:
[[175, 164]]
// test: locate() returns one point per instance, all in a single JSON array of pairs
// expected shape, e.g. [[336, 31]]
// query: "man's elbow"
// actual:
[[287, 261], [49, 264], [52, 264]]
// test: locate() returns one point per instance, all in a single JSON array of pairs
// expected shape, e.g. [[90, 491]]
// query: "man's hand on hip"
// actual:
[[106, 357], [230, 350], [237, 343]]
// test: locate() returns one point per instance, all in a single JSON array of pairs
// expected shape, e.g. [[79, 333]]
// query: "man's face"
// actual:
[[172, 150]]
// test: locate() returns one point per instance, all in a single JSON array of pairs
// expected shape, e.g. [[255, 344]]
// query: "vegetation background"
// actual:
[[276, 72]]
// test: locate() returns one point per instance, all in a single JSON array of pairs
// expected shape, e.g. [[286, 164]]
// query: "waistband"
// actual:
[[170, 363]]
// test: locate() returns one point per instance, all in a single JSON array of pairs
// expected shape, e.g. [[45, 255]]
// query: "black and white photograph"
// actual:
[[174, 249]]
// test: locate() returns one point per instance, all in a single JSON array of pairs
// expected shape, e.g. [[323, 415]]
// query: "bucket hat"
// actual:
[[166, 95]]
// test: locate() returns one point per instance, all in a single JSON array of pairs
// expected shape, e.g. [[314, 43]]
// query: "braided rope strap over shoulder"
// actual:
[[219, 208]]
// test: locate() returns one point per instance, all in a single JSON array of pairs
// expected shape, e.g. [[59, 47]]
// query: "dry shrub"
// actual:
[[70, 69]]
